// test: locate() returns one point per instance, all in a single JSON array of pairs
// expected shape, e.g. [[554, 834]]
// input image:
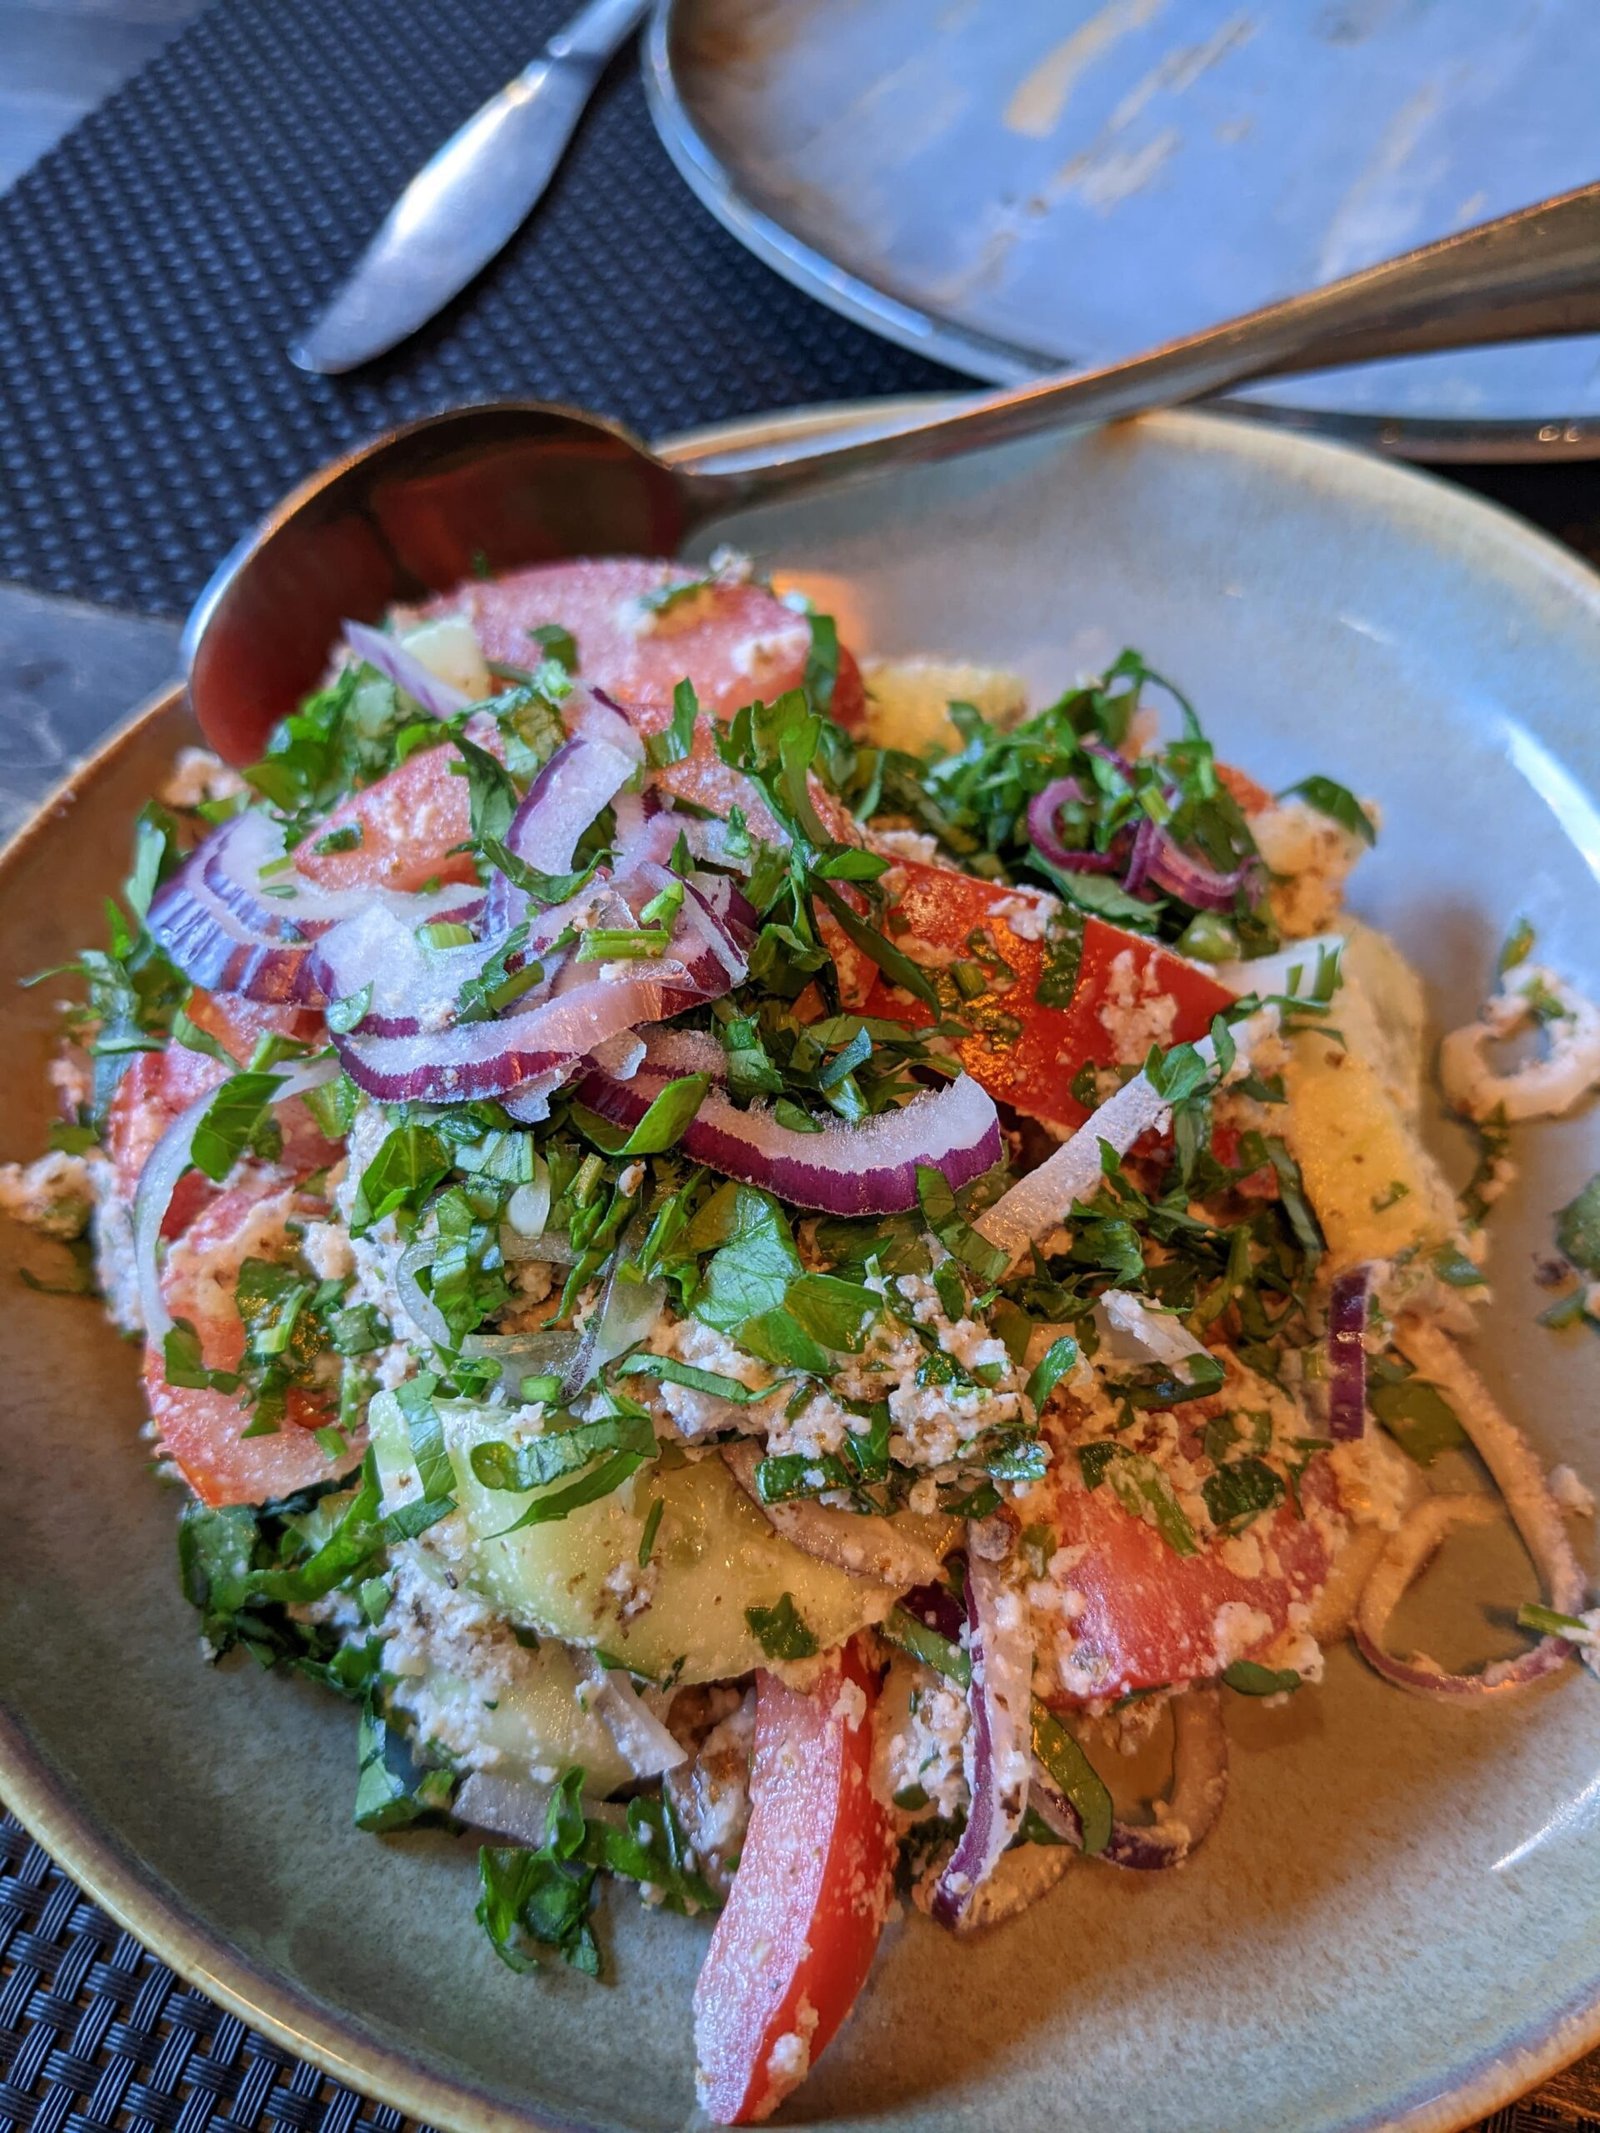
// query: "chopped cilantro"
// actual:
[[780, 1630]]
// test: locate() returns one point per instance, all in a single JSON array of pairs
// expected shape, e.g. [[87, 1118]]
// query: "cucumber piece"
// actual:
[[715, 1556]]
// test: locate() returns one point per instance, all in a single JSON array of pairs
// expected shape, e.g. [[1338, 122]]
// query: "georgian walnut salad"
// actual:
[[771, 1269]]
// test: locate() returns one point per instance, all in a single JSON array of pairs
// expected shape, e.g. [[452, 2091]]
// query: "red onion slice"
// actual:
[[165, 1165], [865, 1169], [1043, 1200], [583, 776], [598, 716], [214, 946], [672, 1052], [1043, 812], [1199, 1788], [642, 1740], [529, 1102], [1534, 1511], [1146, 837], [243, 866], [1183, 874], [1192, 1807], [997, 1751], [860, 1542], [440, 699], [410, 986], [490, 1058], [1403, 1559], [1347, 1356]]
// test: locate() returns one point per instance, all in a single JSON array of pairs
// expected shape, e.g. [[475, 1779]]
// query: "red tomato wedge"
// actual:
[[410, 822], [158, 1085], [200, 1431], [734, 642], [794, 1945], [1250, 796], [1145, 1615], [1025, 1054]]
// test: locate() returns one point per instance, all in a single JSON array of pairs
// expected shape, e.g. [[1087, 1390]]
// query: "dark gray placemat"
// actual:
[[96, 2035], [153, 266]]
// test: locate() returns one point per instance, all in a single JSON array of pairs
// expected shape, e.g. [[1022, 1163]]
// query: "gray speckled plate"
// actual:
[[1398, 1921], [1022, 186]]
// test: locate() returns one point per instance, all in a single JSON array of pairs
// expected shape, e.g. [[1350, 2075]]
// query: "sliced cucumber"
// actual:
[[714, 1557]]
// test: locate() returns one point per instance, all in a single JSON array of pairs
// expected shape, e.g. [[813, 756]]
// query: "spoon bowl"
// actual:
[[476, 490]]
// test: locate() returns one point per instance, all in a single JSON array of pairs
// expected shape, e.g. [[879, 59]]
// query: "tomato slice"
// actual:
[[156, 1086], [734, 642], [410, 822], [794, 1945], [1142, 1615], [1024, 1053], [200, 1430]]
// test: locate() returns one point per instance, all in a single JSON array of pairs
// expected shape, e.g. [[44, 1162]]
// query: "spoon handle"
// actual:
[[1528, 274]]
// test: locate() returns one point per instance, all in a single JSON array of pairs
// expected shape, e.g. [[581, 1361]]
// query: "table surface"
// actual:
[[69, 2034]]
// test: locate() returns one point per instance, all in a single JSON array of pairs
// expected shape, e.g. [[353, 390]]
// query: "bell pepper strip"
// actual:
[[1024, 1051], [794, 1944]]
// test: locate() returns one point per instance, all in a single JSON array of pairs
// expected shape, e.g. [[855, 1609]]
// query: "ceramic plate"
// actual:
[[1023, 186], [1398, 1920]]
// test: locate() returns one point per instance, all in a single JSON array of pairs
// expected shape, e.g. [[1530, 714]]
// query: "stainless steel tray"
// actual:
[[1017, 186]]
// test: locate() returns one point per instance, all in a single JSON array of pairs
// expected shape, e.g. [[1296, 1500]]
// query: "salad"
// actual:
[[771, 1265]]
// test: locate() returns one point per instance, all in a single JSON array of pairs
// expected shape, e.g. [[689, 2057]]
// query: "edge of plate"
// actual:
[[42, 1799], [997, 362]]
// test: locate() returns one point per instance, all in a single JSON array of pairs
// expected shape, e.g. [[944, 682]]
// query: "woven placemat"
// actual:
[[96, 2035], [155, 264]]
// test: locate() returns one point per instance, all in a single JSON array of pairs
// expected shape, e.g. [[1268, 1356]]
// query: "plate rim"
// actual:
[[1434, 440], [42, 1799]]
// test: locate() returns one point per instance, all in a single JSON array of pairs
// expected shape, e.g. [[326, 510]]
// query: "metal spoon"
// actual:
[[489, 488]]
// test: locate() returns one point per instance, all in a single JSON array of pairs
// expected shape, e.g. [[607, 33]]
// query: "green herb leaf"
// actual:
[[409, 1163], [1143, 1489], [750, 1275], [897, 968], [944, 1218], [1060, 1357], [669, 1370], [1074, 1776], [183, 1366], [916, 1638], [1578, 1229], [780, 1631], [1337, 803], [546, 1458], [675, 741], [663, 1125], [1238, 1493], [556, 643], [600, 1480], [1249, 1679], [1452, 1265], [1418, 1417], [492, 796], [1516, 948], [230, 1120]]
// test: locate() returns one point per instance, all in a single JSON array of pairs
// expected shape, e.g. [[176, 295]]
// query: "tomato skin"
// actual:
[[734, 642], [1148, 1616], [1250, 797], [156, 1086], [410, 820], [199, 1430], [1034, 1071], [796, 1939]]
